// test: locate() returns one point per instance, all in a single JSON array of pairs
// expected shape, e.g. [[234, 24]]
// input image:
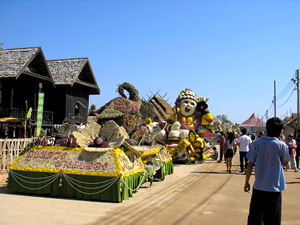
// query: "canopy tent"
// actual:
[[253, 121]]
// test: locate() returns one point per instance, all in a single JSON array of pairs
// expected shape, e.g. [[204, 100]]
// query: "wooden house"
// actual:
[[74, 82], [66, 85]]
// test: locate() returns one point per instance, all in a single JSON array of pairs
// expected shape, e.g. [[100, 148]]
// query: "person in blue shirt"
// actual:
[[269, 155]]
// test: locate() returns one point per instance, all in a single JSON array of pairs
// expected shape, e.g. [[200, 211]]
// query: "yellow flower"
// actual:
[[148, 121]]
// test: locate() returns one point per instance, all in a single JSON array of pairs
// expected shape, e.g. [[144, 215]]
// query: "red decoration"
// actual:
[[60, 182], [207, 133], [121, 189]]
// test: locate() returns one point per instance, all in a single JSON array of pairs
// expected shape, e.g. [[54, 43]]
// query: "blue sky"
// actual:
[[230, 51]]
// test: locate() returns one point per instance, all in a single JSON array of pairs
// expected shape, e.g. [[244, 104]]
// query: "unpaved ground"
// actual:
[[195, 194]]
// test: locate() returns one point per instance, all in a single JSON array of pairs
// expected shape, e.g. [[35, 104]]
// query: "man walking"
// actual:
[[269, 155], [244, 143]]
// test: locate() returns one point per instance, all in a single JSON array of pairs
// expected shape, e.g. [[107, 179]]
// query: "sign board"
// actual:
[[40, 114]]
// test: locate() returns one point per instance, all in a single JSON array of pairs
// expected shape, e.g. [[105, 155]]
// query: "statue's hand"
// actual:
[[202, 99], [202, 105]]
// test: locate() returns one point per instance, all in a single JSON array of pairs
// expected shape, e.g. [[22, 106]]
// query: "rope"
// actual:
[[33, 178], [82, 182], [87, 193], [71, 182], [112, 181], [139, 184], [34, 189], [151, 178]]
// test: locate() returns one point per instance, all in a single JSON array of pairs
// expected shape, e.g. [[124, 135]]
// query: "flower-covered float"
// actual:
[[97, 163], [103, 167], [186, 126]]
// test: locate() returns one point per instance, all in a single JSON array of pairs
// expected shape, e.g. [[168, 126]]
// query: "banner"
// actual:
[[40, 114]]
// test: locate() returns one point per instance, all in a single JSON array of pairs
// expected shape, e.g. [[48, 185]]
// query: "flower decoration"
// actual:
[[148, 121], [93, 138]]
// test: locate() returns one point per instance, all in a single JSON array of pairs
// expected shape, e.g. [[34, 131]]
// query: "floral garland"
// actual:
[[116, 153], [149, 152]]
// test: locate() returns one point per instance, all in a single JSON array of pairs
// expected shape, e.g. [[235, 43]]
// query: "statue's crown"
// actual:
[[188, 94]]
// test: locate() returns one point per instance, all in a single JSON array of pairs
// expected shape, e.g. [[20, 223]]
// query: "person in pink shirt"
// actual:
[[291, 143]]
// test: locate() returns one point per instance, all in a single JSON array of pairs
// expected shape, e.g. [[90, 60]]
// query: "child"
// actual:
[[214, 154]]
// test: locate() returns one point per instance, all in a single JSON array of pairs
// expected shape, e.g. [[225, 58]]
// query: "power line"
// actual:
[[271, 112], [281, 95], [270, 106], [287, 99], [285, 90]]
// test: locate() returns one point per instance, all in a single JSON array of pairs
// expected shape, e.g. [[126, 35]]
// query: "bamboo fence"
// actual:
[[10, 150]]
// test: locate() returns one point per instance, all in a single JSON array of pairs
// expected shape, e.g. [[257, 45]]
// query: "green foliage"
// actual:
[[92, 108], [1, 46], [137, 113], [222, 118], [43, 133], [211, 128], [295, 124], [147, 110], [28, 146]]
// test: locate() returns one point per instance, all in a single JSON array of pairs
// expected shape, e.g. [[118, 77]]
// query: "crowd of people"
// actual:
[[270, 154], [230, 142]]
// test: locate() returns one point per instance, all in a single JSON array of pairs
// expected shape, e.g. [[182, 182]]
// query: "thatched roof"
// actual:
[[71, 71], [288, 121], [29, 61], [162, 109]]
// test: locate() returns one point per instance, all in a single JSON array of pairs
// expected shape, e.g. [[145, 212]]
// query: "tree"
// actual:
[[1, 46], [147, 110], [92, 108], [222, 118]]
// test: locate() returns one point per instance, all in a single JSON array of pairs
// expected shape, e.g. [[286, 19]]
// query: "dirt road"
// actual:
[[194, 194]]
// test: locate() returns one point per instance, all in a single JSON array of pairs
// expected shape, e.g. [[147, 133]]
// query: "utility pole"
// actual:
[[267, 117], [297, 77], [274, 98]]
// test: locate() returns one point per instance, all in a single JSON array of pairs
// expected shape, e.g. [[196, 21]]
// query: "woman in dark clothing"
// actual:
[[231, 142]]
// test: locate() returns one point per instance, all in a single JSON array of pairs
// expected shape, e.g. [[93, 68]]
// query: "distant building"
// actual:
[[253, 124]]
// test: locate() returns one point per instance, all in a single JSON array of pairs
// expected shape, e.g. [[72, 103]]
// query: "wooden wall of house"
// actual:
[[62, 101], [25, 89], [55, 101], [74, 94], [6, 92]]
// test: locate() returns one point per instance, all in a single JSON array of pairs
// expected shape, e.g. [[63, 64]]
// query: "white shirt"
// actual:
[[230, 146], [244, 142]]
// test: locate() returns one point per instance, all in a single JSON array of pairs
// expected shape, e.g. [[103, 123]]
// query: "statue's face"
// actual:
[[187, 107]]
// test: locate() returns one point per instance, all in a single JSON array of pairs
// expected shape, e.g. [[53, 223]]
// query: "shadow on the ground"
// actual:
[[221, 172], [292, 182], [4, 190]]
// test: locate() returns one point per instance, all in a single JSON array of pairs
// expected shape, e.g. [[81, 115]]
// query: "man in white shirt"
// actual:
[[244, 143]]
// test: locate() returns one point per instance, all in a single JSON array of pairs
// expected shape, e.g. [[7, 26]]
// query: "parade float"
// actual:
[[110, 159], [100, 162]]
